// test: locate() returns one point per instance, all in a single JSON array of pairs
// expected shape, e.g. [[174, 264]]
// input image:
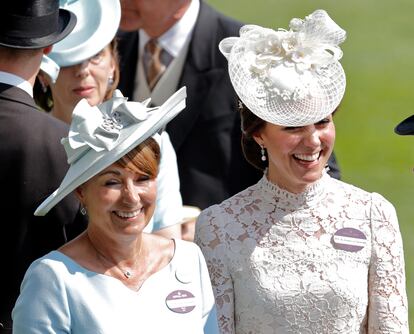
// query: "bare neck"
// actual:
[[158, 30], [118, 251], [62, 111], [23, 66]]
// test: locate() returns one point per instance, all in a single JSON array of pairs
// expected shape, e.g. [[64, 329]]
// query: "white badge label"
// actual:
[[181, 301], [349, 239]]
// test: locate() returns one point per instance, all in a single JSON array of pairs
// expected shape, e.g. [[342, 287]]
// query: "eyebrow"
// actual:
[[109, 172]]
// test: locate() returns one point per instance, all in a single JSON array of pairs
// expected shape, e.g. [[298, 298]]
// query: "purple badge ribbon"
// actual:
[[349, 239], [181, 301]]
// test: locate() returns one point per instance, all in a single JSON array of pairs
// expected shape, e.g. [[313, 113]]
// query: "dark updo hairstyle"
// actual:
[[250, 124]]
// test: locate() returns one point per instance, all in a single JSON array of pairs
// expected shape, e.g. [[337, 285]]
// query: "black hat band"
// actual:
[[29, 27]]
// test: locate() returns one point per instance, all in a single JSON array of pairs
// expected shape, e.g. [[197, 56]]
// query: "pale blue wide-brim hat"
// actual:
[[100, 135], [97, 24]]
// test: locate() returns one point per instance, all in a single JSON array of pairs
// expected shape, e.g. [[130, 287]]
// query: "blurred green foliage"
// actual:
[[379, 64]]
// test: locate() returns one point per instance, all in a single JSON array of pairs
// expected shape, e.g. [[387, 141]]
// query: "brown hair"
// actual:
[[250, 124], [114, 50], [44, 99], [144, 158]]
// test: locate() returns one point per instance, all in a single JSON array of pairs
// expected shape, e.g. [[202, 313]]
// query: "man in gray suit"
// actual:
[[32, 158], [206, 135]]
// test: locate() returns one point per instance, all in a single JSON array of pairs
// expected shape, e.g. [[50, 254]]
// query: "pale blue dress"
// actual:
[[60, 296]]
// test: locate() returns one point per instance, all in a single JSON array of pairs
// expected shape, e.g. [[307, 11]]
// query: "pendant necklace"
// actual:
[[127, 273]]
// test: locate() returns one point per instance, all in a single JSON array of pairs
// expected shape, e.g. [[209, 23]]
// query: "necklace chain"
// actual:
[[127, 273]]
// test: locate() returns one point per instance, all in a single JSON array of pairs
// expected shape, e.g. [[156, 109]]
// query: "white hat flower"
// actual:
[[282, 74]]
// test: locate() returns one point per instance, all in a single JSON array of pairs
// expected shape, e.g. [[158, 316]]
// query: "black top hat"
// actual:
[[406, 127], [32, 24]]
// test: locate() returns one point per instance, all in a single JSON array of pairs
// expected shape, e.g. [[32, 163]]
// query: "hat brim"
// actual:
[[98, 22], [406, 127], [67, 21], [94, 162]]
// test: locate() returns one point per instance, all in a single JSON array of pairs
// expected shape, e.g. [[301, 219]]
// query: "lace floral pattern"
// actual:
[[275, 268]]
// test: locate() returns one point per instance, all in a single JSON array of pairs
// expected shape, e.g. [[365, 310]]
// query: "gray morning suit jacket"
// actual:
[[33, 163], [207, 134]]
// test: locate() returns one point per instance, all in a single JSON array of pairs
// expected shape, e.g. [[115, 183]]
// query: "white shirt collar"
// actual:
[[174, 39], [14, 80]]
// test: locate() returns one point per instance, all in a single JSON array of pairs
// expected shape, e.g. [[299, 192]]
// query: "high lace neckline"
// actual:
[[313, 194], [294, 257]]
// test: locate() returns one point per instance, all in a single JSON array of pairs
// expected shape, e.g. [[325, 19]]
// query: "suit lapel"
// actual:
[[199, 74], [15, 94], [128, 50]]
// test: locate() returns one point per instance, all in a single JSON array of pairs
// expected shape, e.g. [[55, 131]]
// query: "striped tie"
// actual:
[[156, 61]]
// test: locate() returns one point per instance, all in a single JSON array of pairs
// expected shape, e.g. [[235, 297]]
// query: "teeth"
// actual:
[[307, 157], [125, 214]]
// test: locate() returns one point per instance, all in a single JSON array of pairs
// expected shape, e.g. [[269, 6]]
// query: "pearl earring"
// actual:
[[263, 153], [110, 80]]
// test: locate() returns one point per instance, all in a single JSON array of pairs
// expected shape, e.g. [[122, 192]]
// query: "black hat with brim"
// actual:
[[406, 127], [34, 24]]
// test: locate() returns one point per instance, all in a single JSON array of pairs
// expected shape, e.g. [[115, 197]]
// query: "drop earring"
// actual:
[[263, 153], [83, 211]]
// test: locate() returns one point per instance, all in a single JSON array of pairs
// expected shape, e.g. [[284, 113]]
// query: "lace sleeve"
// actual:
[[210, 238], [387, 311]]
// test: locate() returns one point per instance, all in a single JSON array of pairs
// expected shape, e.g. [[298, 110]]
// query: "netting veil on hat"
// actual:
[[288, 77]]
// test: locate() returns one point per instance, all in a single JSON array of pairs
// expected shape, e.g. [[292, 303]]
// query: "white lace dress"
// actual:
[[329, 260]]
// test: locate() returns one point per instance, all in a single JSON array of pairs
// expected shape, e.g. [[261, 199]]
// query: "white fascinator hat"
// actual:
[[288, 77], [101, 135]]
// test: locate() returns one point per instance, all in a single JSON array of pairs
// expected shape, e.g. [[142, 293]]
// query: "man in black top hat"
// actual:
[[32, 158]]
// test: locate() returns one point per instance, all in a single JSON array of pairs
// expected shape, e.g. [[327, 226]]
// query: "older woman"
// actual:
[[114, 278], [299, 252], [86, 65]]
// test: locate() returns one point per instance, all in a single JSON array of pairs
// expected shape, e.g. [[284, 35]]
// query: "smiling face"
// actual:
[[297, 155], [121, 199], [86, 80]]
